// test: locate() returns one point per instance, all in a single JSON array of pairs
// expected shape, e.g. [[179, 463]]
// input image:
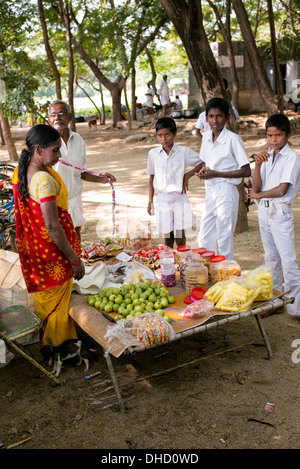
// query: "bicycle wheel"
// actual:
[[6, 169], [8, 237]]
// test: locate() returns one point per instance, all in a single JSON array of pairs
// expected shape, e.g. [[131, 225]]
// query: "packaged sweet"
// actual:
[[228, 268], [150, 328], [238, 295], [263, 277], [197, 309]]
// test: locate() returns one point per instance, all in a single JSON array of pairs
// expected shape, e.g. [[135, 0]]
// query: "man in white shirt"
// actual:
[[225, 163], [149, 98], [164, 94], [276, 180], [73, 151], [178, 103], [166, 168]]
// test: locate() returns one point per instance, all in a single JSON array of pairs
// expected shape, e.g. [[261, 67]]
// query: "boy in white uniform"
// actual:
[[166, 167], [225, 163], [276, 180]]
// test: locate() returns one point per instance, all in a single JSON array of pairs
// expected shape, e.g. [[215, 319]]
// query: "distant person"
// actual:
[[73, 151], [225, 163], [149, 98], [178, 103], [167, 178], [138, 105], [276, 179], [164, 94]]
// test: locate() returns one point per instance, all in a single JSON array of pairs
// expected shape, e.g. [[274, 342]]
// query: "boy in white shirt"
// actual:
[[225, 163], [166, 167], [276, 180]]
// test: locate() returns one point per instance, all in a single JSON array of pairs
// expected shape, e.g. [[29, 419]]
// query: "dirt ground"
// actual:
[[217, 400]]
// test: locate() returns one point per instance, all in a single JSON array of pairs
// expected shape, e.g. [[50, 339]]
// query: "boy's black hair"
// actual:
[[166, 123], [218, 103], [280, 121]]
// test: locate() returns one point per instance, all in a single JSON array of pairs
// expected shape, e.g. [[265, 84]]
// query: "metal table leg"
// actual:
[[114, 379]]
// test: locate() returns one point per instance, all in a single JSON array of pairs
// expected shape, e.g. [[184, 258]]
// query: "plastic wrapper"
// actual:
[[263, 277], [197, 309], [236, 294], [228, 268], [138, 237], [136, 272], [150, 328]]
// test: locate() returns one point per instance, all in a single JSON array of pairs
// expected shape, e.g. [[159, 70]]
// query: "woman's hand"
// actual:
[[79, 271]]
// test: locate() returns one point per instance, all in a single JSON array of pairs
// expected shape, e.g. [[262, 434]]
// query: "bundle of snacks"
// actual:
[[197, 309], [148, 257], [263, 277], [228, 268], [139, 237], [233, 295], [98, 250], [151, 328]]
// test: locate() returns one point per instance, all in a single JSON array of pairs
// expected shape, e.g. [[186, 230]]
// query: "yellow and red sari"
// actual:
[[47, 271]]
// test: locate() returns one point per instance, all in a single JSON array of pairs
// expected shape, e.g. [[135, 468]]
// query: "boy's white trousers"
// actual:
[[276, 224], [219, 218]]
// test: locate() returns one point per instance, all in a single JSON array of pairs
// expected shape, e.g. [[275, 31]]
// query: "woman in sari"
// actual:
[[48, 245]]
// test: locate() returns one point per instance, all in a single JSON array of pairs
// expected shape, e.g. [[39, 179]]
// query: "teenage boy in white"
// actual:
[[167, 178], [276, 180], [225, 163]]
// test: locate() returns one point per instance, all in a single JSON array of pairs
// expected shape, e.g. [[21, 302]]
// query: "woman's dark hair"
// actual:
[[166, 123], [280, 121], [42, 135], [217, 103]]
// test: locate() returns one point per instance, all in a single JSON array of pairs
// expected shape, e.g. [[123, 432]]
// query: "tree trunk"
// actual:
[[102, 105], [2, 142], [263, 84], [116, 104], [275, 57], [49, 52], [64, 11], [187, 19], [12, 152], [133, 100]]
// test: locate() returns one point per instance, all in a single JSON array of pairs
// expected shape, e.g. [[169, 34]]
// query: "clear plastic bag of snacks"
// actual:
[[263, 277], [150, 328], [228, 268], [197, 309]]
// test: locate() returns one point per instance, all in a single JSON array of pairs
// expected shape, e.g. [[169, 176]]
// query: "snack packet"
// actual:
[[197, 309]]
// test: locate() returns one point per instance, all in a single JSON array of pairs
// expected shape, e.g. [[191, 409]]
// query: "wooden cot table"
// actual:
[[96, 326]]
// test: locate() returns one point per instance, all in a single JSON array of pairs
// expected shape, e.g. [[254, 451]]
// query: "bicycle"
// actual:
[[6, 172], [8, 239]]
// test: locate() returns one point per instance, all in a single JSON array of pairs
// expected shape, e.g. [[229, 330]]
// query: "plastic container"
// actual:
[[167, 265], [214, 264], [228, 268], [196, 274], [184, 255], [205, 257]]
